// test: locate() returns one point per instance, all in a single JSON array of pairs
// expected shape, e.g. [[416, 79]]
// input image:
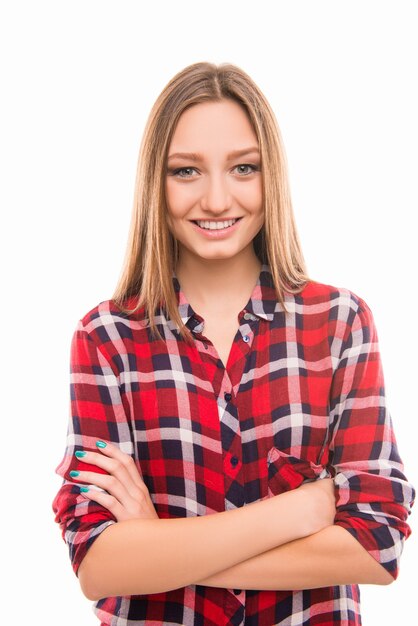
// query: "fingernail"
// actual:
[[84, 489], [74, 473], [100, 444], [80, 454]]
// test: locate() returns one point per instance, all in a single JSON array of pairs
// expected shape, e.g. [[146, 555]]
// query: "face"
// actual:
[[213, 182]]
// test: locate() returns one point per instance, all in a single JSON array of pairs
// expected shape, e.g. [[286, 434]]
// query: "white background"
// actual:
[[78, 80]]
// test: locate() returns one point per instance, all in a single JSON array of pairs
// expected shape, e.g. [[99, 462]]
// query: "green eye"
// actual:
[[253, 168], [178, 171]]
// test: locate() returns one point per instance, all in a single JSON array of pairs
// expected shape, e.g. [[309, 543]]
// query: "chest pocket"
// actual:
[[286, 472]]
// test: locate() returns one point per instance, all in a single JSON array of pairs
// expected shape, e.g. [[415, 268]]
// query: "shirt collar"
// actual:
[[263, 300]]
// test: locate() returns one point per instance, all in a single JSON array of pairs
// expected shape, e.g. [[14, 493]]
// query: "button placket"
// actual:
[[245, 328], [246, 334]]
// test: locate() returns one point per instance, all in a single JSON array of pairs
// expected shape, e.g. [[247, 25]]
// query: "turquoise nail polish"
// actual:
[[74, 473], [84, 489], [101, 444], [80, 454]]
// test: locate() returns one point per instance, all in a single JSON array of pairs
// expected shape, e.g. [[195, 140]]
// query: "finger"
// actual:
[[114, 468], [108, 482], [125, 459], [106, 500]]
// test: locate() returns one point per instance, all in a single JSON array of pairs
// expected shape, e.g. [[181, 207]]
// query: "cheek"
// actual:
[[251, 196], [170, 196], [180, 198], [174, 223], [169, 221]]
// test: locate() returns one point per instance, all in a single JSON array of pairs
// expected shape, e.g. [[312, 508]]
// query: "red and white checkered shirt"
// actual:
[[301, 396]]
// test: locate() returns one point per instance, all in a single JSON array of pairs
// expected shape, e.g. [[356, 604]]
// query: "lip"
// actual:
[[217, 234]]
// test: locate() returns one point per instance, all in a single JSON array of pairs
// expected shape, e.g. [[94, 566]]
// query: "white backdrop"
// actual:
[[78, 79]]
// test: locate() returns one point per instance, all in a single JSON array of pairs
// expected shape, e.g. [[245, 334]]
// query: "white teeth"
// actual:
[[215, 225]]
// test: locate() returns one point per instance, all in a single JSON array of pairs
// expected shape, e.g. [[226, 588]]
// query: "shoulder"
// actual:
[[107, 321], [317, 296], [340, 313], [110, 333], [337, 310]]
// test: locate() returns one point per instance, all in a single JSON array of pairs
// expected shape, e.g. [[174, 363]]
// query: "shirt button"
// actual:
[[246, 338], [248, 316], [237, 591], [234, 460], [228, 397]]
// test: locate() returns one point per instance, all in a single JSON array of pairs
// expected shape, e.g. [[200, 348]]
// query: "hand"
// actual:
[[127, 495], [319, 503]]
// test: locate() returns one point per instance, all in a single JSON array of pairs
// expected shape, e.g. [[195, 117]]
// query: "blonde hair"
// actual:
[[152, 251]]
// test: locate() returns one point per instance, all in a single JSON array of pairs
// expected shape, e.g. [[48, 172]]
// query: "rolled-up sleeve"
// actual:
[[373, 495], [97, 412]]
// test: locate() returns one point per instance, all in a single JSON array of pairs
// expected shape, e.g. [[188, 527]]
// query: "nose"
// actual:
[[216, 198]]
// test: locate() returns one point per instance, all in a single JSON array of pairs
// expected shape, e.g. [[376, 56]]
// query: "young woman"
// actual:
[[230, 456]]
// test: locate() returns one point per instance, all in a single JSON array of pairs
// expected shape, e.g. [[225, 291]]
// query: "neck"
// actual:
[[218, 283]]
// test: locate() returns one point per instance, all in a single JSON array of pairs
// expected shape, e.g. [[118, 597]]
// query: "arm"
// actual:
[[373, 495], [150, 556], [327, 558], [96, 410], [168, 553]]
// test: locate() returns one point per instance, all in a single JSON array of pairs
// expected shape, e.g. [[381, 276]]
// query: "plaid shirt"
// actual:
[[302, 397]]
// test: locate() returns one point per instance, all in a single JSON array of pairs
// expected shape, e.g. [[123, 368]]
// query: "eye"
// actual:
[[181, 170], [243, 169]]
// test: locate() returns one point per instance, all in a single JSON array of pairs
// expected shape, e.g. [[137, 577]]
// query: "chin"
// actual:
[[218, 257]]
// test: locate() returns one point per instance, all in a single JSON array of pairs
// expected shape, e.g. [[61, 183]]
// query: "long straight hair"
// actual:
[[152, 251]]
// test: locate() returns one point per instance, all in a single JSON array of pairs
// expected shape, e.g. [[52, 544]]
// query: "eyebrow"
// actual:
[[196, 156]]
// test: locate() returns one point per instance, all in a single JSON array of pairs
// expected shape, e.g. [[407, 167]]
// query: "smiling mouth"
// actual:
[[216, 224]]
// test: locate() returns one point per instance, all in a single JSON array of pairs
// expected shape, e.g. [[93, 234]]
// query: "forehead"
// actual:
[[209, 125]]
